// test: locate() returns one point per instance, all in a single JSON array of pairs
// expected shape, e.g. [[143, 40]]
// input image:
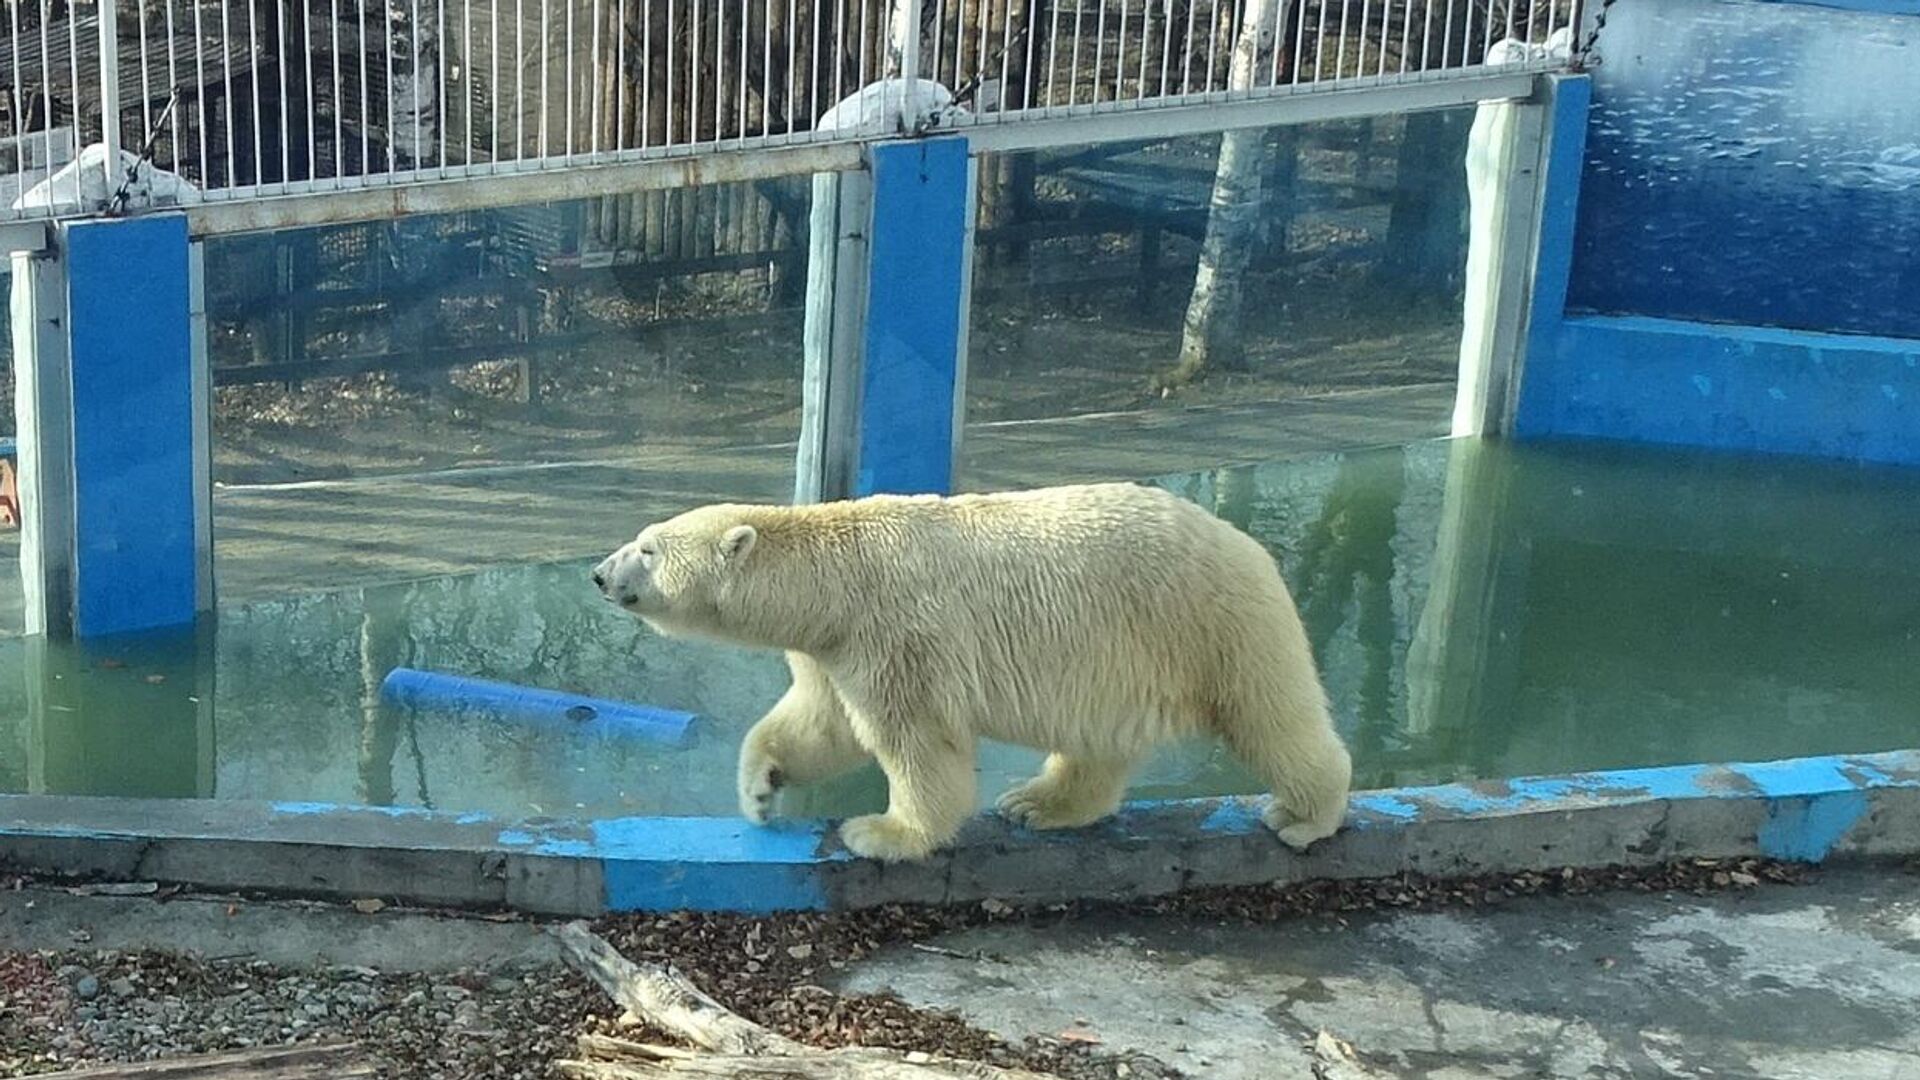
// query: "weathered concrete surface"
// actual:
[[1819, 982], [1802, 810], [290, 934]]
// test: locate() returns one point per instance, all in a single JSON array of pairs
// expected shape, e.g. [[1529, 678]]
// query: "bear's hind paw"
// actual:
[[1041, 804], [883, 837]]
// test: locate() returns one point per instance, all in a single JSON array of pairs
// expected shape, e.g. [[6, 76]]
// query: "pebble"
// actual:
[[86, 987]]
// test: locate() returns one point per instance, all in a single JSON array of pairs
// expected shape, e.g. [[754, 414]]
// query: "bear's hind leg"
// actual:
[[1069, 792], [1291, 745]]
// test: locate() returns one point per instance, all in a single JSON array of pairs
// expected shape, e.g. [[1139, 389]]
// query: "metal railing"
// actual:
[[231, 99]]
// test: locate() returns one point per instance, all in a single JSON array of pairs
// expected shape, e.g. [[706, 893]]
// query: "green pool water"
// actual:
[[1478, 610]]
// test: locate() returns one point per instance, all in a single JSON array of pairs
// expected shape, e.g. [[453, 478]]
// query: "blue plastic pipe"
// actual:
[[573, 712]]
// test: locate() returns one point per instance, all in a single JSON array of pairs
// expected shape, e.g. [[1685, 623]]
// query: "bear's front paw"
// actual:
[[1296, 834], [883, 837], [760, 781]]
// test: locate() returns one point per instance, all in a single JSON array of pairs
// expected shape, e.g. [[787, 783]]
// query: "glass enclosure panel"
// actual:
[[1150, 307], [434, 395]]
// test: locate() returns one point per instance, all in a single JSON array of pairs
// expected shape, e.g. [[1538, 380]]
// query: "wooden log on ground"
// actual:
[[314, 1061], [736, 1047]]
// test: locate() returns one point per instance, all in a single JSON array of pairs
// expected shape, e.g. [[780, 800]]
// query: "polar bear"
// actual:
[[1092, 622]]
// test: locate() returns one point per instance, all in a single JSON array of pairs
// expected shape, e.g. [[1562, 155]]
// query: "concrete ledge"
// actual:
[[1805, 809]]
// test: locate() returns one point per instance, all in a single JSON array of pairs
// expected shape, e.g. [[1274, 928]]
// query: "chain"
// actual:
[[118, 203], [1585, 57]]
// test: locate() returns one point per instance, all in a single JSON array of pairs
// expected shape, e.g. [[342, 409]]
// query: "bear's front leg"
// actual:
[[805, 737], [930, 793]]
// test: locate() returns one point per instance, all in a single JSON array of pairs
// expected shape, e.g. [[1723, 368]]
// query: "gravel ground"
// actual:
[[57, 1009]]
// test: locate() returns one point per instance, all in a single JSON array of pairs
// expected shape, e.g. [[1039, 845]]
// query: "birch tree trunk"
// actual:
[[1210, 336]]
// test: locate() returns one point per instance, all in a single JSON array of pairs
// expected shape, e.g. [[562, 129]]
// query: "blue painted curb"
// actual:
[[1804, 809]]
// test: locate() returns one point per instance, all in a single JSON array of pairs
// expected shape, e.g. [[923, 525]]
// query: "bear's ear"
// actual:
[[737, 541]]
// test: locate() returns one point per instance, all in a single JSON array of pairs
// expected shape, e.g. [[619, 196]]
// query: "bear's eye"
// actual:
[[650, 550]]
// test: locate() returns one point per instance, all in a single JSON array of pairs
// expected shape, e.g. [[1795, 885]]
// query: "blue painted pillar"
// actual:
[[912, 369], [114, 431], [1570, 97]]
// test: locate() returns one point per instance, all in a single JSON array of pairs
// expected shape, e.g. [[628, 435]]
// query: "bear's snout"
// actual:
[[603, 575], [615, 580]]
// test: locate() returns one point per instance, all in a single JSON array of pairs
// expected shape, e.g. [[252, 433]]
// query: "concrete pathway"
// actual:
[[1820, 982]]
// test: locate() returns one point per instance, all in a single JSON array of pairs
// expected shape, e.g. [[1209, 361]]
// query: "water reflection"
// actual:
[[1477, 610]]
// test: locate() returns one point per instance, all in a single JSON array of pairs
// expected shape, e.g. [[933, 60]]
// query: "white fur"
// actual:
[[1092, 622]]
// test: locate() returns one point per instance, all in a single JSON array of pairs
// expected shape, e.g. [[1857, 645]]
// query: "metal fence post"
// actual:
[[109, 93]]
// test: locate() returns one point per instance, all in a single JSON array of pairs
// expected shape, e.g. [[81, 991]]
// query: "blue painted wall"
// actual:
[[918, 257], [135, 566], [1755, 162], [1730, 387]]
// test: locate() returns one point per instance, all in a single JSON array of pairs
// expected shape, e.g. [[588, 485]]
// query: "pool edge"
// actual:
[[1801, 809]]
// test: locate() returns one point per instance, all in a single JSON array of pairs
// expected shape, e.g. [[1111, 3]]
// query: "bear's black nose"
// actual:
[[600, 581]]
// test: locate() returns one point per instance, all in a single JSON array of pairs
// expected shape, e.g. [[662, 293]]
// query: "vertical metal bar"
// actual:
[[313, 104], [766, 66], [720, 58], [1279, 39], [1140, 74], [1446, 39], [620, 79], [568, 97], [226, 98], [793, 51], [546, 113], [673, 35], [1166, 44], [439, 81], [866, 49], [1426, 37], [839, 38], [386, 41], [693, 78], [493, 82], [593, 83], [1186, 56], [1340, 50], [339, 123], [1406, 35], [413, 82], [1386, 37], [46, 98], [1073, 62], [200, 94], [146, 84], [1033, 16], [746, 35], [366, 95], [1366, 16], [910, 60], [643, 101], [1099, 46], [20, 108], [281, 46], [940, 37], [519, 80], [1213, 39], [466, 84], [109, 94], [813, 75], [983, 14], [1053, 48]]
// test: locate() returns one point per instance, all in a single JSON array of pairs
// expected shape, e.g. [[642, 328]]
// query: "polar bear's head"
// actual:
[[683, 575]]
